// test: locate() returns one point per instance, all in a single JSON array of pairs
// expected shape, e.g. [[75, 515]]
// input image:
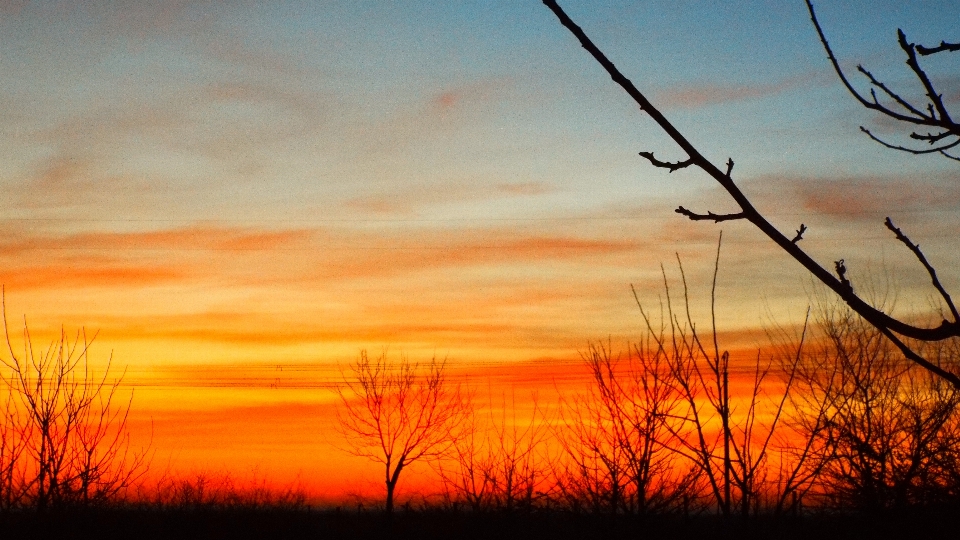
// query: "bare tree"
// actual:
[[935, 116], [883, 434], [74, 447], [399, 413], [616, 435], [720, 433], [14, 435], [501, 461]]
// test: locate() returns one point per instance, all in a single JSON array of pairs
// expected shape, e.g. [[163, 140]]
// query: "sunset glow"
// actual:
[[237, 199]]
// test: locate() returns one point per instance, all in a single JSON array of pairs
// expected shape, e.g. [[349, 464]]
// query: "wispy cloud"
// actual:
[[103, 275], [438, 113], [413, 198], [859, 197], [706, 94], [186, 239]]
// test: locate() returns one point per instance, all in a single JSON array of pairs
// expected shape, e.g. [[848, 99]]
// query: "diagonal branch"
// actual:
[[841, 287], [921, 118], [935, 98], [952, 378], [915, 248], [948, 155]]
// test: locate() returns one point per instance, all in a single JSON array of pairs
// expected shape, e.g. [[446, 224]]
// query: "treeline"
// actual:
[[831, 419], [835, 420]]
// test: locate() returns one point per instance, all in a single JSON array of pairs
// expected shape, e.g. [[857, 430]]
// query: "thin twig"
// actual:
[[710, 216], [944, 46], [666, 164]]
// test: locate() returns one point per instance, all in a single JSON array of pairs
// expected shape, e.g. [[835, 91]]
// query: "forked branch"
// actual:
[[933, 114]]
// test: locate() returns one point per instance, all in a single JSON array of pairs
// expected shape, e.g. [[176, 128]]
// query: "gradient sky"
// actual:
[[239, 196]]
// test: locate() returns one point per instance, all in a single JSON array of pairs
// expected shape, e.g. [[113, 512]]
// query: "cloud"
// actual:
[[465, 95], [254, 330], [94, 275], [438, 113], [286, 255], [525, 188], [429, 251], [31, 261], [707, 94], [857, 197], [412, 198], [194, 238]]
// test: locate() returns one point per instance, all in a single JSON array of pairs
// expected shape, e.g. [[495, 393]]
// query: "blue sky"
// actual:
[[433, 153]]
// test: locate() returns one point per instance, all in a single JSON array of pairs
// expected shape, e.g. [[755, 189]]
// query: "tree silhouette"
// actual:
[[617, 433], [882, 434], [898, 331], [399, 413], [65, 440], [500, 462]]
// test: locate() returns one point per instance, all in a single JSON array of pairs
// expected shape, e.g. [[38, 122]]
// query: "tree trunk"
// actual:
[[392, 484], [390, 488]]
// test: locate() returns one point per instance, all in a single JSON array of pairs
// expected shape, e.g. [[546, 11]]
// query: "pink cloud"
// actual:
[[706, 94]]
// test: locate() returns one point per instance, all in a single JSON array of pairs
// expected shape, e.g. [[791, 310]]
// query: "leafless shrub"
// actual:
[[883, 434], [67, 427], [206, 491], [500, 462], [14, 435], [616, 435], [719, 434]]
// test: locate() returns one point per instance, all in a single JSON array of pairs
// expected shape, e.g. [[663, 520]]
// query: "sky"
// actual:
[[240, 196]]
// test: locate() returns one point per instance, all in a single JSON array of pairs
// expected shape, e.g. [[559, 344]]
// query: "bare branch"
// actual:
[[841, 269], [894, 96], [949, 156], [838, 283], [930, 138], [935, 98], [874, 105], [936, 114], [709, 216], [944, 46], [799, 236], [919, 360], [939, 149], [666, 164]]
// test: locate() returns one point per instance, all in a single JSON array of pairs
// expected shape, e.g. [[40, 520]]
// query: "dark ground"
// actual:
[[149, 524]]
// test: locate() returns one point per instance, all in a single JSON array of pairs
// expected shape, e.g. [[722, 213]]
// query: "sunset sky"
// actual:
[[240, 196]]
